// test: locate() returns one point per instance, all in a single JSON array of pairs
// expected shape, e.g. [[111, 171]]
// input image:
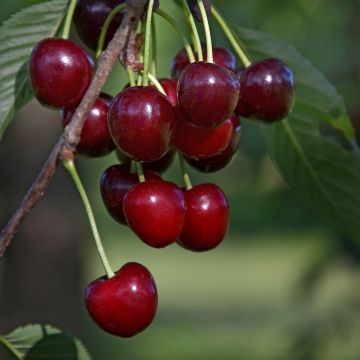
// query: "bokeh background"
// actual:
[[284, 284]]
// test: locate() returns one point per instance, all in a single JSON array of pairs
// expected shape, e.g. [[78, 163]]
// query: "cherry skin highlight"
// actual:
[[266, 91], [206, 218], [207, 94], [141, 122], [115, 182], [125, 304], [197, 142], [90, 16], [155, 211], [60, 72], [95, 138]]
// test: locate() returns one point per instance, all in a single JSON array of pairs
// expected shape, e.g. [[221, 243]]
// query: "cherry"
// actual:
[[194, 7], [89, 19], [95, 135], [218, 162], [206, 218], [222, 57], [198, 143], [266, 91], [141, 122], [60, 72], [125, 304], [155, 211], [115, 183], [170, 87], [207, 94]]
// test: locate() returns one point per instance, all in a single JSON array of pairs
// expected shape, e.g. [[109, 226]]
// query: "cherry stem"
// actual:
[[131, 75], [147, 42], [154, 48], [140, 171], [70, 167], [157, 84], [68, 20], [105, 29], [209, 47], [12, 350], [194, 31], [229, 34], [184, 172], [175, 25]]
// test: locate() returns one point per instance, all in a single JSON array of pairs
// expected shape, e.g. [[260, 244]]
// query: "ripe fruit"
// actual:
[[89, 19], [266, 91], [60, 72], [206, 218], [125, 304], [141, 122], [95, 135], [155, 211], [170, 87], [115, 182], [207, 94], [222, 57], [218, 162], [198, 143]]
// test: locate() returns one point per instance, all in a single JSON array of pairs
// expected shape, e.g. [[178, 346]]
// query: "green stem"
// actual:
[[227, 31], [131, 75], [11, 348], [105, 29], [157, 84], [140, 171], [154, 48], [147, 42], [175, 25], [210, 57], [195, 33], [184, 172], [70, 167], [68, 20]]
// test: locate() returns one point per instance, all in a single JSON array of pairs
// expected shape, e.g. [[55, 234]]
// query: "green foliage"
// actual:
[[42, 342], [18, 35]]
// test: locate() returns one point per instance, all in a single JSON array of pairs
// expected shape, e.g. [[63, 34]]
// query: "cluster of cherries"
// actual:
[[198, 118]]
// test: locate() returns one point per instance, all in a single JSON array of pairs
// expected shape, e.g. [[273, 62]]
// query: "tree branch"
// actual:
[[65, 147]]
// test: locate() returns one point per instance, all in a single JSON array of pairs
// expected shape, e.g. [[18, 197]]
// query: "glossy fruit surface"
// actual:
[[95, 135], [125, 304], [266, 91], [206, 219], [207, 94], [170, 87], [155, 211], [220, 161], [89, 19], [198, 142], [222, 57], [60, 72], [115, 182], [141, 122]]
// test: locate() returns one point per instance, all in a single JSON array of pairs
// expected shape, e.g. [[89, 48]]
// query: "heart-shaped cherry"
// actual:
[[115, 182], [141, 122], [95, 135], [206, 218], [155, 211], [60, 72], [125, 304]]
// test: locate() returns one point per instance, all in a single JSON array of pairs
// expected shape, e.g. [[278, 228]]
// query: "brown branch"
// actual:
[[65, 147]]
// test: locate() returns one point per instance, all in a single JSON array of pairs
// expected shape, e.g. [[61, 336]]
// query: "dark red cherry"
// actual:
[[170, 87], [141, 122], [155, 211], [206, 218], [266, 91], [95, 135], [89, 19], [207, 94], [115, 182], [198, 143], [222, 57], [60, 72], [220, 161], [125, 304], [194, 7]]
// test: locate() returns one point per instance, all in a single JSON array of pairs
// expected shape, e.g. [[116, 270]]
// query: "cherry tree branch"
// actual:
[[65, 147]]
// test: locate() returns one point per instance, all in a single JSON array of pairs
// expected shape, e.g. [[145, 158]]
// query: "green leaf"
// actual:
[[34, 342], [313, 148], [18, 35]]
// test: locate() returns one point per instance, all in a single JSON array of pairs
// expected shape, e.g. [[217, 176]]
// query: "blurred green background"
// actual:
[[282, 286]]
